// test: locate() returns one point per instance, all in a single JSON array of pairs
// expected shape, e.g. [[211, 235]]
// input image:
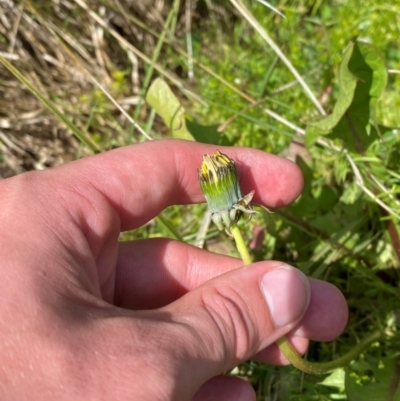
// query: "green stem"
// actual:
[[319, 368], [283, 343], [241, 245]]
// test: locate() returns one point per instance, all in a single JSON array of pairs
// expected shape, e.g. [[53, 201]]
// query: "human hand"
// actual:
[[85, 317]]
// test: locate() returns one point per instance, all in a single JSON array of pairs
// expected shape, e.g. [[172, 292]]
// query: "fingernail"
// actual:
[[287, 293]]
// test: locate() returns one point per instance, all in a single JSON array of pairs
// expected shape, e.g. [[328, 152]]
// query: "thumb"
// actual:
[[233, 316]]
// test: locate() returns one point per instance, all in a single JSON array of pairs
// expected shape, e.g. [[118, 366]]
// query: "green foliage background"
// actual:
[[236, 90]]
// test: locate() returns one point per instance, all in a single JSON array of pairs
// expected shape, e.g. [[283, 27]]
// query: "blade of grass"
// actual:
[[189, 45], [156, 54], [360, 183], [78, 62], [203, 229], [79, 134], [263, 33], [164, 223], [316, 233], [271, 7], [125, 44], [208, 70]]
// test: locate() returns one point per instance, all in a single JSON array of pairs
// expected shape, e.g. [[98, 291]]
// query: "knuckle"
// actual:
[[233, 321]]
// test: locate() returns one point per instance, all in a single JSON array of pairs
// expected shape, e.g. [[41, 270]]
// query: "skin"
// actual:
[[85, 317]]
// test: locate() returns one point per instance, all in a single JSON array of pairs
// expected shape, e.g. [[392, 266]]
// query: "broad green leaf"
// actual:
[[326, 198], [207, 133], [161, 98], [379, 75], [169, 108], [327, 223], [335, 379], [362, 79], [347, 85], [384, 384]]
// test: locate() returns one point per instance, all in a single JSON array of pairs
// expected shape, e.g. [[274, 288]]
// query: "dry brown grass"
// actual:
[[62, 49]]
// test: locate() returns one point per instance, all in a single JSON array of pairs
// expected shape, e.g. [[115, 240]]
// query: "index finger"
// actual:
[[141, 180]]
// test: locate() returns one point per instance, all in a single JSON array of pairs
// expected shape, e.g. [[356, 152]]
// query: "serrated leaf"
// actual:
[[347, 85], [362, 79], [379, 78], [161, 98]]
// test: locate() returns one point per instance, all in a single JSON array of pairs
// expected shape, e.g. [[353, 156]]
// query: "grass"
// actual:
[[264, 78]]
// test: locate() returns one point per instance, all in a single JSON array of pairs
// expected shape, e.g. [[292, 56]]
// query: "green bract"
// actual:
[[219, 183]]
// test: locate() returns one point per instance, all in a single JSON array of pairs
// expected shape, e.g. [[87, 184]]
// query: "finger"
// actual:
[[221, 323], [325, 319], [164, 267], [170, 269], [327, 314], [225, 388], [208, 330], [173, 269], [234, 316], [141, 180]]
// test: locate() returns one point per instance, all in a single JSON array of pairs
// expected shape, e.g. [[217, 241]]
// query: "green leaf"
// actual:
[[207, 134], [335, 379], [379, 75], [307, 204], [169, 108], [384, 385], [362, 79], [347, 85], [351, 194], [161, 98]]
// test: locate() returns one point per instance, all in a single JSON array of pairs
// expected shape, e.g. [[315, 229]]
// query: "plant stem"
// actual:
[[241, 245], [283, 343], [319, 368]]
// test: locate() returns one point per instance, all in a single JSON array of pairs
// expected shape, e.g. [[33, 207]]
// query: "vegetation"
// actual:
[[320, 86]]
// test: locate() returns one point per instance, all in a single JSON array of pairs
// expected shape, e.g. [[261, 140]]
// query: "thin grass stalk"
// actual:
[[151, 67], [125, 44], [89, 75], [252, 21], [79, 134]]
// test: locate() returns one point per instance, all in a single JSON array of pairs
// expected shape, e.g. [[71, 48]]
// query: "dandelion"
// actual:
[[220, 186]]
